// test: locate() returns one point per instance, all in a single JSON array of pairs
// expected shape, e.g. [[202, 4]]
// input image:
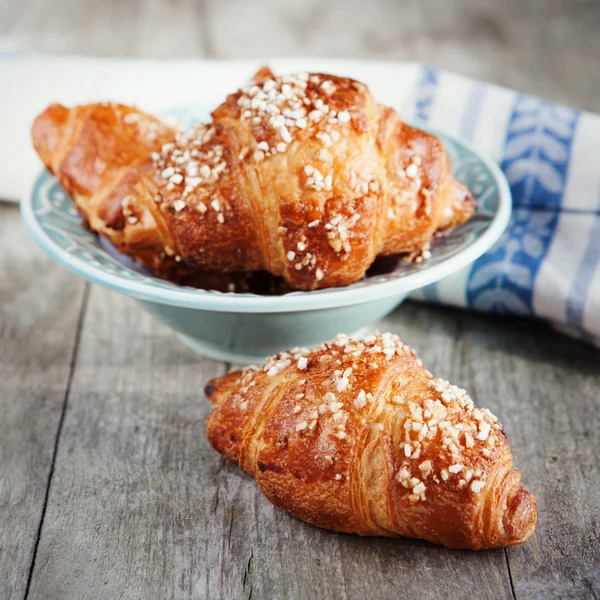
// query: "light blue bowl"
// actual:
[[247, 327]]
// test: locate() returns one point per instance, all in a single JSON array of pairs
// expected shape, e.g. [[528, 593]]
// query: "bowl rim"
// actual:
[[211, 300]]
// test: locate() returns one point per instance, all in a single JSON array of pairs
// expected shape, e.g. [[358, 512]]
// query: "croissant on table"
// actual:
[[304, 176], [358, 436]]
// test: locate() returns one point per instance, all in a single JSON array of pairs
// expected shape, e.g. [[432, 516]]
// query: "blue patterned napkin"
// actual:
[[547, 263]]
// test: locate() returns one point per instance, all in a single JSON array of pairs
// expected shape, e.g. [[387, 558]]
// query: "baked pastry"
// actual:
[[358, 436], [304, 176]]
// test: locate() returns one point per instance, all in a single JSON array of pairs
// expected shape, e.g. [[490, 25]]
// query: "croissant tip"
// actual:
[[520, 516], [513, 512], [47, 130], [209, 390]]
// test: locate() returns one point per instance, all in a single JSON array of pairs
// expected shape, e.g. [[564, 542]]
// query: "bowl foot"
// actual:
[[223, 354]]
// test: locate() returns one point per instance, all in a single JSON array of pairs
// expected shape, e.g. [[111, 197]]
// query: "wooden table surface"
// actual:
[[108, 487]]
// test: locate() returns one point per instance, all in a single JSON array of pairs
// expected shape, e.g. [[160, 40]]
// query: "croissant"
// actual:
[[304, 176], [359, 437]]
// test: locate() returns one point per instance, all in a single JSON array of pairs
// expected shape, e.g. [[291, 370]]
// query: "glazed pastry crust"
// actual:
[[360, 437], [304, 176]]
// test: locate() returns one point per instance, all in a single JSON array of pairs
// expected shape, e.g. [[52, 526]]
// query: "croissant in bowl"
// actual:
[[358, 436], [304, 176]]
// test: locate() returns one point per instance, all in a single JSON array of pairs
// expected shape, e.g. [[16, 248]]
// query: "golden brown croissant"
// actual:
[[358, 436], [304, 176]]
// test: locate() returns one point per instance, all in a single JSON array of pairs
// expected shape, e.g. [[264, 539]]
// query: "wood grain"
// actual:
[[156, 511], [40, 306], [144, 507], [139, 506], [131, 475]]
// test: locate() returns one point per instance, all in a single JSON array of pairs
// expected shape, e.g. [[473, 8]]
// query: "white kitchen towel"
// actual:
[[547, 262], [29, 83]]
